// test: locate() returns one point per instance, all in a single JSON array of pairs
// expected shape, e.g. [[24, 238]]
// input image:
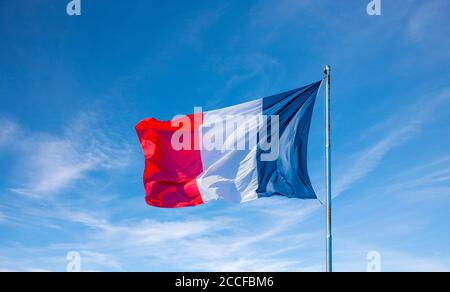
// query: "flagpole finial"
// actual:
[[327, 69]]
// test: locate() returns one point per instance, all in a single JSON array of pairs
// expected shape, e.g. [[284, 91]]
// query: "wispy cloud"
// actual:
[[272, 16], [7, 129], [353, 258], [429, 181], [399, 131], [219, 243], [50, 163], [427, 19], [401, 261], [145, 232], [370, 158], [3, 217], [426, 33], [240, 69]]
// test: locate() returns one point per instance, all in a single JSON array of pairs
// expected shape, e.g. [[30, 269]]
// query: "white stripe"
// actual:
[[230, 174]]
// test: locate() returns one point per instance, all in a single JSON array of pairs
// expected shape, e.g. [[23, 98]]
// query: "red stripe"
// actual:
[[170, 175]]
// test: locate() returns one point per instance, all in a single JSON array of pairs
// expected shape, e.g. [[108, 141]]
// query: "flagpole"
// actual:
[[329, 237]]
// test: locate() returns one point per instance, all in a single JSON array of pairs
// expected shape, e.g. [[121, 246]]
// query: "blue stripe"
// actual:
[[288, 175]]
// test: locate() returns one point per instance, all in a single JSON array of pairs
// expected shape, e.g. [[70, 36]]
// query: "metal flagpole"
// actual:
[[328, 172]]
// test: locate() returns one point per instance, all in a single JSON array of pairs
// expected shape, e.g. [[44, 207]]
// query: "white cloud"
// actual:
[[426, 32], [370, 158], [145, 232], [94, 258], [240, 70], [406, 126], [427, 21], [37, 270], [429, 181], [401, 261], [224, 242], [353, 258], [253, 264], [2, 217], [51, 163], [7, 130]]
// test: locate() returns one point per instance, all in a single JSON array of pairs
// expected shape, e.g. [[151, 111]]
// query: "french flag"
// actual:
[[241, 153]]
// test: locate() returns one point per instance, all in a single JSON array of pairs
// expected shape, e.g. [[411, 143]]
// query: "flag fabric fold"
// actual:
[[240, 153]]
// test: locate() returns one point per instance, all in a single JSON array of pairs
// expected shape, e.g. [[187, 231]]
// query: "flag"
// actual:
[[239, 153]]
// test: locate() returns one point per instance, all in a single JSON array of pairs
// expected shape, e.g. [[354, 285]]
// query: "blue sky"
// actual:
[[72, 89]]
